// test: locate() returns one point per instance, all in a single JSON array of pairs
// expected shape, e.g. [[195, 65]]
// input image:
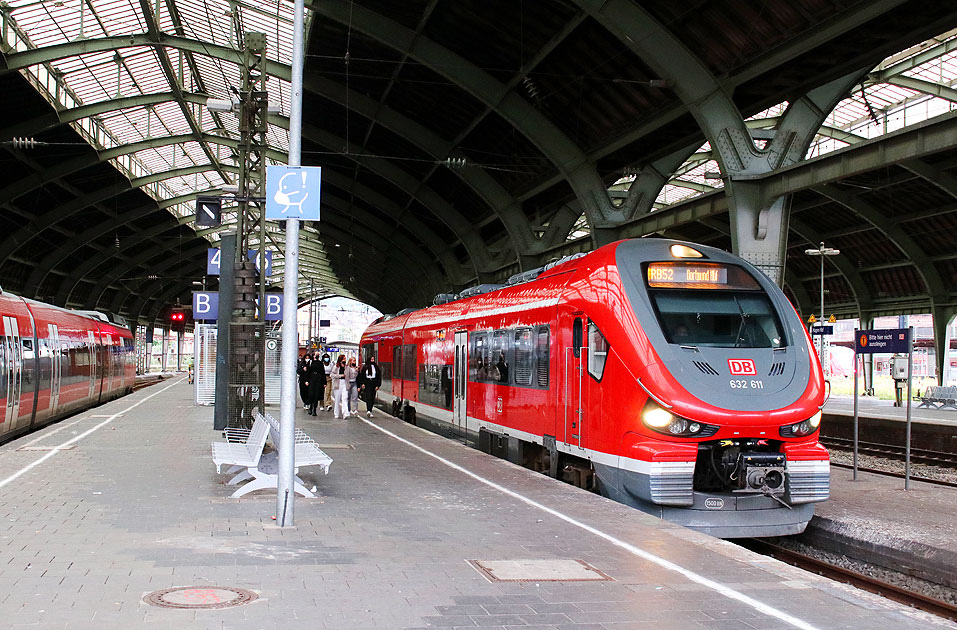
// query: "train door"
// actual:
[[573, 382], [13, 374], [108, 360], [460, 378], [56, 367], [91, 339]]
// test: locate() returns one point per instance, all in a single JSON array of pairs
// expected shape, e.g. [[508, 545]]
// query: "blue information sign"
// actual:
[[213, 256], [891, 341], [822, 330], [292, 192], [206, 306]]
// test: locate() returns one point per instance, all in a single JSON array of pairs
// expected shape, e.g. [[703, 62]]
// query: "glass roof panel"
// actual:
[[876, 108], [84, 78]]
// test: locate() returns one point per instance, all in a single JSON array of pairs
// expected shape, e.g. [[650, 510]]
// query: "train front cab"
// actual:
[[723, 462]]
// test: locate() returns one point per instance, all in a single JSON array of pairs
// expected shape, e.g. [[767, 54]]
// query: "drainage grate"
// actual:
[[200, 597], [539, 571]]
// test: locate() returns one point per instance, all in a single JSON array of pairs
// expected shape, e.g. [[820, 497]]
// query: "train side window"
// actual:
[[523, 353], [477, 370], [541, 357], [597, 351], [577, 337], [397, 361], [499, 369], [409, 362]]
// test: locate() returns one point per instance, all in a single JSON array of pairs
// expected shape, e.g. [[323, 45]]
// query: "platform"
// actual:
[[874, 518], [871, 407], [130, 504]]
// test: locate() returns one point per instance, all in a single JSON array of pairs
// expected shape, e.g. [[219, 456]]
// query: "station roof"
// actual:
[[454, 137]]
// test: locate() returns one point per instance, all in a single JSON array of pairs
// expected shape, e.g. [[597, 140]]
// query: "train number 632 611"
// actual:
[[743, 384]]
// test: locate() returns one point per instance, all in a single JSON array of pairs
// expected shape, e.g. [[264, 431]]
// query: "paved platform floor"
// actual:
[[871, 407], [130, 503]]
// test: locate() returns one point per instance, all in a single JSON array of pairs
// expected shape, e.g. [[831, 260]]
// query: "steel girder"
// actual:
[[498, 199], [52, 260], [914, 142], [503, 205], [865, 300], [936, 288], [551, 141]]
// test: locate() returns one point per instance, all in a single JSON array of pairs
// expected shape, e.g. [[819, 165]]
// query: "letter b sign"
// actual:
[[273, 307]]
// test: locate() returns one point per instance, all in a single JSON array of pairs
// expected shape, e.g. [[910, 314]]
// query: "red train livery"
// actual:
[[55, 362], [672, 377]]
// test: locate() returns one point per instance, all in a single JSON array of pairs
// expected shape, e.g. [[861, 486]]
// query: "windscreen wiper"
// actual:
[[744, 316]]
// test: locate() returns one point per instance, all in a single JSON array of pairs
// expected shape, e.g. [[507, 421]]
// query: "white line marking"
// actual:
[[57, 430], [56, 449], [637, 551]]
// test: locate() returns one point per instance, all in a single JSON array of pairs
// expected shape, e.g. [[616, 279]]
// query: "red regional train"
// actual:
[[55, 362], [669, 376]]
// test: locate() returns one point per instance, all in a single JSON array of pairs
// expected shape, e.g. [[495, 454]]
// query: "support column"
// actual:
[[943, 319], [165, 347]]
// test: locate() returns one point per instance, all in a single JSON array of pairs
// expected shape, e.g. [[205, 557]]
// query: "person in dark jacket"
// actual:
[[369, 381], [301, 372], [316, 380]]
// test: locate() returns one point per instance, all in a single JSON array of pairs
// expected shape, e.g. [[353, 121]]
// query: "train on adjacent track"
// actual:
[[669, 376], [55, 362]]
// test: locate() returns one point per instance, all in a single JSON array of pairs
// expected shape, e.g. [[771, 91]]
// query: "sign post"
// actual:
[[285, 490], [890, 341]]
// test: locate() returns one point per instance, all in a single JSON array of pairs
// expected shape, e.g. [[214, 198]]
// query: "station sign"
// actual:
[[213, 256], [822, 330], [890, 341], [292, 192], [206, 306]]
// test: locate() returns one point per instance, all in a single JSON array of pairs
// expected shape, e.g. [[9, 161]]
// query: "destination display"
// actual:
[[698, 276]]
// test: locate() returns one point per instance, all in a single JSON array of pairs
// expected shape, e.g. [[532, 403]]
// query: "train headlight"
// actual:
[[656, 418], [663, 421], [802, 428]]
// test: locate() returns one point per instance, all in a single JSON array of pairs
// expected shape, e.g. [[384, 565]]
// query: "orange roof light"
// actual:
[[683, 251]]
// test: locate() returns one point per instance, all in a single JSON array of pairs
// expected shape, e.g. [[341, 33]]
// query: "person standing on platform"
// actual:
[[340, 388], [302, 372], [369, 379], [327, 363], [316, 382], [352, 372]]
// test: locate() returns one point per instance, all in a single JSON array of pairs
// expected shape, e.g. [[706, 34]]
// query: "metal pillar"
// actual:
[[165, 347], [226, 298], [286, 493]]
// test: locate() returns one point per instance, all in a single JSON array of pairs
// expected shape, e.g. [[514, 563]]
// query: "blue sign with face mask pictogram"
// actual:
[[292, 192]]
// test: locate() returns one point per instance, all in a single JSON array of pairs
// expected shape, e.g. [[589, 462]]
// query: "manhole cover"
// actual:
[[200, 597], [538, 571]]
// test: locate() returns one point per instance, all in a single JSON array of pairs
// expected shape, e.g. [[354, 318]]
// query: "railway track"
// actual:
[[893, 451], [847, 576]]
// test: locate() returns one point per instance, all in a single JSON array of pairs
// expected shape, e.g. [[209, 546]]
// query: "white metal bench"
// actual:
[[245, 454], [266, 473]]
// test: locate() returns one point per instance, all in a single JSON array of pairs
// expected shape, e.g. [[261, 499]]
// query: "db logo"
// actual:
[[742, 366]]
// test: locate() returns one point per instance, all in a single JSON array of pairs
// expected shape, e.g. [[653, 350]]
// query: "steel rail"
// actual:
[[848, 576]]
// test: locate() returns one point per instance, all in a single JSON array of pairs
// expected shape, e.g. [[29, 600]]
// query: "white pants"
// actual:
[[341, 395], [353, 397]]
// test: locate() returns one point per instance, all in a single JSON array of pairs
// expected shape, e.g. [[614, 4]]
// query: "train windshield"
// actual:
[[726, 319]]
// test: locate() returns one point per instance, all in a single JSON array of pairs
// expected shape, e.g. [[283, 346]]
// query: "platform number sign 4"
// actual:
[[214, 260]]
